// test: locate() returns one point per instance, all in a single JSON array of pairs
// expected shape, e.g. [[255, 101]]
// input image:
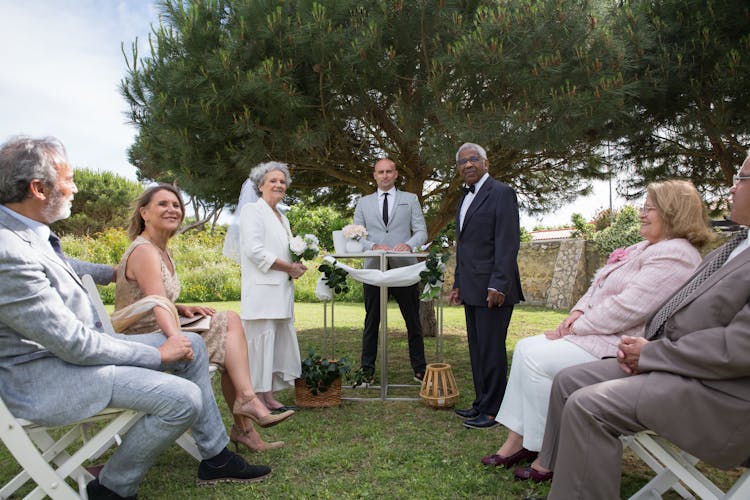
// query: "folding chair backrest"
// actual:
[[96, 299]]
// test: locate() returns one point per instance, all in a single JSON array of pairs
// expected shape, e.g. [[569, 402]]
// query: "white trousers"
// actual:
[[536, 361]]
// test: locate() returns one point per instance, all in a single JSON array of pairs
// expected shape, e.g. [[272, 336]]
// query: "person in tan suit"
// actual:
[[688, 379]]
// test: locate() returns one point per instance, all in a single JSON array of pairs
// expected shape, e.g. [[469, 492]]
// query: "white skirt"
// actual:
[[273, 353]]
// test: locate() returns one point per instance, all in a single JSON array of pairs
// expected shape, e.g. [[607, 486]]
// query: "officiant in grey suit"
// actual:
[[395, 223], [57, 365]]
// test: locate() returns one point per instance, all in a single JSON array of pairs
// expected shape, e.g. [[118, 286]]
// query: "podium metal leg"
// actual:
[[383, 335]]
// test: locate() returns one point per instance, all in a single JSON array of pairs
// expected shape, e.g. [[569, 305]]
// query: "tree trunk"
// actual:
[[427, 318]]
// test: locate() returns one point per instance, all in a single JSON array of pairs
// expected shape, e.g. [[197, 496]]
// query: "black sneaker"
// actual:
[[236, 470], [96, 491], [419, 377]]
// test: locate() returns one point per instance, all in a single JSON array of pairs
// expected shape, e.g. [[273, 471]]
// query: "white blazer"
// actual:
[[266, 293]]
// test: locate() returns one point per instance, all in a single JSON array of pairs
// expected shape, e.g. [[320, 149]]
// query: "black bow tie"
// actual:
[[468, 189]]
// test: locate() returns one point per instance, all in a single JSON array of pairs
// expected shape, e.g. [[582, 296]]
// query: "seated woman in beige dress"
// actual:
[[147, 269]]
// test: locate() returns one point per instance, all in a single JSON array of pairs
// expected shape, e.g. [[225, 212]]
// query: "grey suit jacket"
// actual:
[[101, 273], [55, 360], [405, 225]]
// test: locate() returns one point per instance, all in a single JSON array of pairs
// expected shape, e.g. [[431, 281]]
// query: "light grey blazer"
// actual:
[[55, 360], [405, 225]]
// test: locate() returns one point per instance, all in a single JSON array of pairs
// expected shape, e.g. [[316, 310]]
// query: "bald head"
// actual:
[[385, 174]]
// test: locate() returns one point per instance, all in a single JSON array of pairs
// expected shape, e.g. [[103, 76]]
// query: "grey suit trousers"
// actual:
[[172, 403]]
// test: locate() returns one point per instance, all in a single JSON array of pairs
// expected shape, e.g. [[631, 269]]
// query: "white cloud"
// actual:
[[61, 72]]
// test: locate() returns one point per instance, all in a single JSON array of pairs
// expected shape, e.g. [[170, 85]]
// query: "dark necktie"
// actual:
[[385, 208], [656, 326], [468, 189], [55, 242]]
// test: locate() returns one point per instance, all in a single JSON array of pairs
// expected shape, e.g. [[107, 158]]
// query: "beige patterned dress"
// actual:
[[127, 292]]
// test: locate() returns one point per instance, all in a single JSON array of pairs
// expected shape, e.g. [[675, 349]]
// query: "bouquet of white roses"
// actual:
[[304, 247], [354, 232]]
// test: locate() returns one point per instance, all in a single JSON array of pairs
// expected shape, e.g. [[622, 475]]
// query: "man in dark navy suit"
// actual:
[[487, 282]]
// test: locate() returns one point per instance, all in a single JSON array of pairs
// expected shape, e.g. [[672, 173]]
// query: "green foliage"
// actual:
[[335, 278], [690, 112], [432, 276], [525, 235], [319, 373], [321, 221], [583, 229], [103, 201], [330, 86], [625, 231], [106, 247], [602, 219], [205, 273]]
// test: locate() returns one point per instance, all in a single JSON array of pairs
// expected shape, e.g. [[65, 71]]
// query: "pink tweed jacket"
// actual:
[[624, 294]]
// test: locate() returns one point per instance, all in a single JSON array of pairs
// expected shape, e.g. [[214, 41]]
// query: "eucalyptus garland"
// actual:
[[335, 278], [432, 276]]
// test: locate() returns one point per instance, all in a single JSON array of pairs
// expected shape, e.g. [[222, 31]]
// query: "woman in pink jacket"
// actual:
[[622, 295]]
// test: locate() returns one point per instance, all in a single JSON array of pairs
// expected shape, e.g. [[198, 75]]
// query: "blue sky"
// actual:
[[61, 68]]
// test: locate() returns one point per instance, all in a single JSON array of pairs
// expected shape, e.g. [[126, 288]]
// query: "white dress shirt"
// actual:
[[391, 202], [468, 199]]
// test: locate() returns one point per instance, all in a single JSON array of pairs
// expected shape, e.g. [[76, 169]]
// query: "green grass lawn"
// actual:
[[375, 449]]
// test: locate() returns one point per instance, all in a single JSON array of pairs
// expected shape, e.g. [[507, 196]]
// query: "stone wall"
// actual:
[[556, 273], [553, 273]]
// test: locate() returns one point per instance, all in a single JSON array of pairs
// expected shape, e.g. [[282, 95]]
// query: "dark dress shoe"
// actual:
[[480, 422], [236, 470], [96, 491], [468, 413], [526, 473], [523, 455]]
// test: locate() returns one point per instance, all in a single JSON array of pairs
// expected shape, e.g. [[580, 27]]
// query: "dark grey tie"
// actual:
[[54, 240], [656, 326], [385, 208]]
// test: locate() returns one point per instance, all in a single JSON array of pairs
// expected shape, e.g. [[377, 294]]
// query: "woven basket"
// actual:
[[306, 399]]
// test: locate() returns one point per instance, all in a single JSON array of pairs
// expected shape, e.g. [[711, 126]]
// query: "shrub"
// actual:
[[205, 273], [320, 221], [625, 231]]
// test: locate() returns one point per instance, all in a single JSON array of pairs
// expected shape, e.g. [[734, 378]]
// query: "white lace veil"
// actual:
[[232, 239]]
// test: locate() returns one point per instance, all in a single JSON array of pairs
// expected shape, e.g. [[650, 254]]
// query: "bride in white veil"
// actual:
[[232, 239]]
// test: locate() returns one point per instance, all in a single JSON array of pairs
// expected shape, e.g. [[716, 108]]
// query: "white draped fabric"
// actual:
[[399, 276]]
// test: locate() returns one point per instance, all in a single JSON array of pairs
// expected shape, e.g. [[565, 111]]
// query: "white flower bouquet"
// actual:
[[304, 247], [354, 232]]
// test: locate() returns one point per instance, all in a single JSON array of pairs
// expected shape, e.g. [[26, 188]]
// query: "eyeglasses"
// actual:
[[737, 178], [646, 209], [472, 159]]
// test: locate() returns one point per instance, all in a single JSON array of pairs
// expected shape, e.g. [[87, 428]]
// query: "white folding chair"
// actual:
[[46, 460], [676, 469]]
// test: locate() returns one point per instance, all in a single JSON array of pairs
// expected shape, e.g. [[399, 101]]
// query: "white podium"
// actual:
[[383, 257]]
